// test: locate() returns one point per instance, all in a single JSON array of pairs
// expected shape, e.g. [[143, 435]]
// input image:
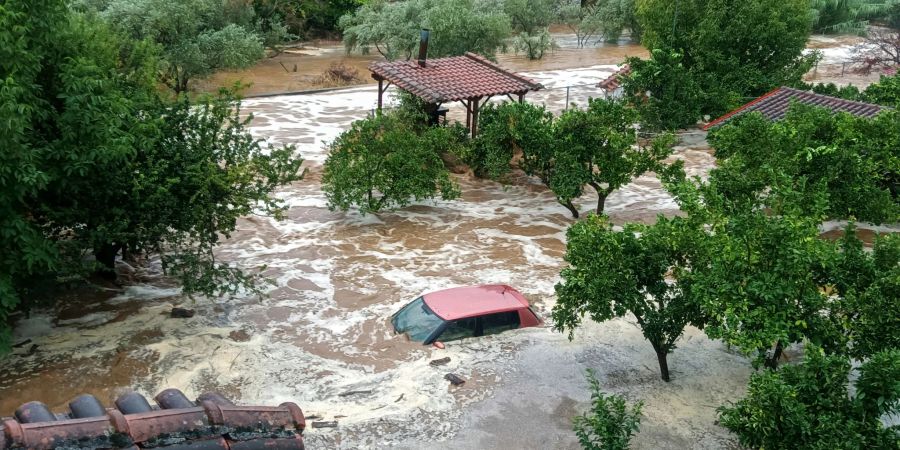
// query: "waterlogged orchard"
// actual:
[[698, 290]]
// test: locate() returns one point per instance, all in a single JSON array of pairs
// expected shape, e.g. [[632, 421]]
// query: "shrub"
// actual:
[[339, 74], [382, 162], [610, 423]]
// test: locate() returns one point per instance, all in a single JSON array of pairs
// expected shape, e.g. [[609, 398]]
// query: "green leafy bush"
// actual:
[[383, 162], [850, 160], [610, 422], [642, 270], [807, 406], [733, 50], [595, 146], [663, 91], [505, 130]]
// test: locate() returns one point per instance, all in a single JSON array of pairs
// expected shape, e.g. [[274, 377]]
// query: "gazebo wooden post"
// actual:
[[380, 92], [476, 106], [522, 97], [468, 106]]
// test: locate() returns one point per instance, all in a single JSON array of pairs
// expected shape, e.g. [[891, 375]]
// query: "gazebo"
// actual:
[[469, 79]]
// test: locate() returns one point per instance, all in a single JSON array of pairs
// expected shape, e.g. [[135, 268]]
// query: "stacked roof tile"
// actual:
[[455, 78], [775, 104], [614, 80], [211, 423]]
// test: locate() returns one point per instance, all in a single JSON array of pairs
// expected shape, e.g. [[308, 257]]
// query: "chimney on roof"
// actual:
[[423, 46]]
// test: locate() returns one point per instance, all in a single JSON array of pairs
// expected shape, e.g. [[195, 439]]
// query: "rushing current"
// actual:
[[321, 336]]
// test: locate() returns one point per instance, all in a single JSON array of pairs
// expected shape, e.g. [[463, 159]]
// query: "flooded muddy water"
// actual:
[[322, 331]]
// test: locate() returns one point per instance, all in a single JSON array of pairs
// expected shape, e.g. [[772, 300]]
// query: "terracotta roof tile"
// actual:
[[775, 104], [614, 80], [212, 422], [453, 78]]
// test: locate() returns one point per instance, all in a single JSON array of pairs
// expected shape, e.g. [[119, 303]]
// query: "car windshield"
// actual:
[[416, 320]]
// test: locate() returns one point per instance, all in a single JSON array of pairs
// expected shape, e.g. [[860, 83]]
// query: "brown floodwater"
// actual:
[[336, 277]]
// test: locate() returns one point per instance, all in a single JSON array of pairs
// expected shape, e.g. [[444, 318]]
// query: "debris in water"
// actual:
[[454, 379], [22, 344], [241, 335], [325, 424], [440, 362], [349, 393], [182, 313], [399, 398]]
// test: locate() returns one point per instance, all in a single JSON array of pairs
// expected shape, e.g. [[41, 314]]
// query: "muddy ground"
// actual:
[[323, 332]]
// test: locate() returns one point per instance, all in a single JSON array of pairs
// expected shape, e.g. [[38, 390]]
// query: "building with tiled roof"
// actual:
[[452, 79], [212, 422], [470, 79], [775, 104], [612, 84]]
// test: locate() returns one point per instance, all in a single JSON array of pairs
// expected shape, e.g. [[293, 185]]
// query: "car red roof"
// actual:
[[468, 301]]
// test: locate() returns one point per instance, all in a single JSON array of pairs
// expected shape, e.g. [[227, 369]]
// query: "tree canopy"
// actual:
[[197, 37], [808, 406], [595, 146], [642, 270], [851, 161], [734, 49], [385, 162], [392, 28], [96, 162], [771, 280]]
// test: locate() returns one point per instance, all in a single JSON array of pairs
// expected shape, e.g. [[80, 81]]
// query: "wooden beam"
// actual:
[[475, 109], [521, 97], [468, 106], [380, 93]]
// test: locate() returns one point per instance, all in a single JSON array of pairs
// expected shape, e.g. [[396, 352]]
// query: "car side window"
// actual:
[[499, 322], [459, 329]]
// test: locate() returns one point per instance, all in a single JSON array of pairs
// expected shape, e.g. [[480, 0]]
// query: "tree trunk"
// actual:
[[601, 196], [772, 361], [571, 208], [106, 257], [661, 356], [601, 202]]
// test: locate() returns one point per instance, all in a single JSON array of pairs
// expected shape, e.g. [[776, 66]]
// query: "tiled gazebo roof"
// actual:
[[774, 105], [614, 80], [454, 78]]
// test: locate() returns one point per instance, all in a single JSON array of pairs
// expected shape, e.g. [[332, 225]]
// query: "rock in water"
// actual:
[[182, 313], [454, 379]]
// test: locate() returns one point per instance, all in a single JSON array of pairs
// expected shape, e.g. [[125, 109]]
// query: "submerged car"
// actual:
[[463, 312]]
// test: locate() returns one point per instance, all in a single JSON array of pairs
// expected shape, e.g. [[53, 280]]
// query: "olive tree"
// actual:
[[642, 270], [197, 37], [530, 19], [583, 21], [392, 28], [382, 162]]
